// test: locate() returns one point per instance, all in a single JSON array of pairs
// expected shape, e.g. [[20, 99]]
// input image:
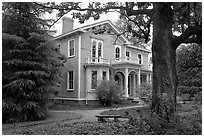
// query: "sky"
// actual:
[[112, 16]]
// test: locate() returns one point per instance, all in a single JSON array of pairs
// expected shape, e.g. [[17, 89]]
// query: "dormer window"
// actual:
[[71, 48]]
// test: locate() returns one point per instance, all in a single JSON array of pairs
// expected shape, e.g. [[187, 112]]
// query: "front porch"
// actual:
[[131, 79]]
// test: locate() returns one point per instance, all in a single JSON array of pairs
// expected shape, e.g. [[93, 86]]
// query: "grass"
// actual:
[[191, 124]]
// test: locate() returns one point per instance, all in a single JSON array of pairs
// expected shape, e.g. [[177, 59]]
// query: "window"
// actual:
[[128, 55], [93, 79], [117, 53], [97, 49], [104, 75], [139, 58], [70, 80], [71, 46]]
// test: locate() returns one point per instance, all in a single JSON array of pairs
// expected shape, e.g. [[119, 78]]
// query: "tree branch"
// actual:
[[185, 37], [148, 12]]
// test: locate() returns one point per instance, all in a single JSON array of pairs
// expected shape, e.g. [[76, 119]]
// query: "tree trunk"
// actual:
[[164, 59]]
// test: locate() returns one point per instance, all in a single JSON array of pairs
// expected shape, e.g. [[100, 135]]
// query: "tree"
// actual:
[[189, 65], [183, 17], [31, 65]]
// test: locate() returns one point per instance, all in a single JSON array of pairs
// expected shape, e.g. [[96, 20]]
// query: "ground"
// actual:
[[78, 122]]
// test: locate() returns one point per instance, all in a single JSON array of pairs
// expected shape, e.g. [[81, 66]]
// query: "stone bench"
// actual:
[[103, 118]]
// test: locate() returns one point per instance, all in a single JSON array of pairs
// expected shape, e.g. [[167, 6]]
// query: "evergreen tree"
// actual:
[[31, 66]]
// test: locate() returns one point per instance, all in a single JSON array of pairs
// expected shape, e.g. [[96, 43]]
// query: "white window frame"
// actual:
[[69, 56], [97, 42], [96, 79], [103, 75], [69, 80], [139, 59], [117, 46], [128, 58]]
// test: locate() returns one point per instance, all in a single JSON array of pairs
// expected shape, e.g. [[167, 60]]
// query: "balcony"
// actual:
[[122, 60], [97, 61]]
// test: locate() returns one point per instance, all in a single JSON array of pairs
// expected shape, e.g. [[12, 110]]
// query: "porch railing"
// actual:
[[100, 60], [97, 61], [124, 59]]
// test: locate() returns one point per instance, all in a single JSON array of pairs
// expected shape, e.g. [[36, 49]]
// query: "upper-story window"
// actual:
[[97, 49], [71, 48], [117, 52], [128, 55], [139, 58]]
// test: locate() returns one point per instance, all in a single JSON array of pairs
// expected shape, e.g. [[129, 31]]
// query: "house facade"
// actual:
[[92, 58]]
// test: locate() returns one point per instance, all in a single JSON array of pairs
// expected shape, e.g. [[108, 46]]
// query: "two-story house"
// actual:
[[92, 58]]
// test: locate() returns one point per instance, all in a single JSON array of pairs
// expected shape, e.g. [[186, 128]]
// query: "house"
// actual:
[[92, 58]]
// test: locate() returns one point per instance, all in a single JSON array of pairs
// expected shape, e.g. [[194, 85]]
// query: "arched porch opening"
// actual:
[[132, 84], [119, 78]]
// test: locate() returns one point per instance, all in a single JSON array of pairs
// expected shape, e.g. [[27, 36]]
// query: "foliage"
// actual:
[[23, 18], [189, 65], [30, 75], [30, 62], [108, 92], [192, 91], [145, 92]]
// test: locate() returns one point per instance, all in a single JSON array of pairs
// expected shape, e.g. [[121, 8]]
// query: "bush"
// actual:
[[108, 92], [152, 123], [192, 91], [145, 92]]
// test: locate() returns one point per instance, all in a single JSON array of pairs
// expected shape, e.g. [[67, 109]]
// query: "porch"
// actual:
[[130, 80]]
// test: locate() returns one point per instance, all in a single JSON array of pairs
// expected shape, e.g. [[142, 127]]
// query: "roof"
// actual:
[[107, 22]]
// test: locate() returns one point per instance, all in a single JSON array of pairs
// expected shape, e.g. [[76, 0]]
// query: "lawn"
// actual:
[[190, 124]]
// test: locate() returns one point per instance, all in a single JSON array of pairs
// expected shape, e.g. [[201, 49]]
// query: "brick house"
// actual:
[[92, 58]]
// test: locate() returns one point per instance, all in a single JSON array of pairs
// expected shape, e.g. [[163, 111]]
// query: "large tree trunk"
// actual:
[[164, 59]]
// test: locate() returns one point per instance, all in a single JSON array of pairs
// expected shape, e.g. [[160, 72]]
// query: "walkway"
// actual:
[[62, 116], [89, 115]]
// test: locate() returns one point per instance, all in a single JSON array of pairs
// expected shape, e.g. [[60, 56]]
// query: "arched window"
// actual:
[[117, 53], [94, 49], [99, 49]]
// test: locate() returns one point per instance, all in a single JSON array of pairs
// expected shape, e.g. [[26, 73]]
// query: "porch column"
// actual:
[[100, 75], [147, 78], [88, 82], [108, 75], [126, 82], [134, 89], [138, 80]]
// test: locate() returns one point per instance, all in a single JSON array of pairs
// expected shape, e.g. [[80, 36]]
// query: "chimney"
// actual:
[[67, 24]]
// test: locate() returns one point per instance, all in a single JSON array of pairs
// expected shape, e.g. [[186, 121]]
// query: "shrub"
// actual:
[[108, 92], [145, 92], [152, 123], [192, 91]]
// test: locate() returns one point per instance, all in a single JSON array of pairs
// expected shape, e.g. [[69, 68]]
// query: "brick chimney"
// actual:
[[67, 24]]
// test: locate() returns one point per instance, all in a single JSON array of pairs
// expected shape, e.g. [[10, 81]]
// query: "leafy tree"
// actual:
[[189, 65], [166, 16], [31, 65]]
